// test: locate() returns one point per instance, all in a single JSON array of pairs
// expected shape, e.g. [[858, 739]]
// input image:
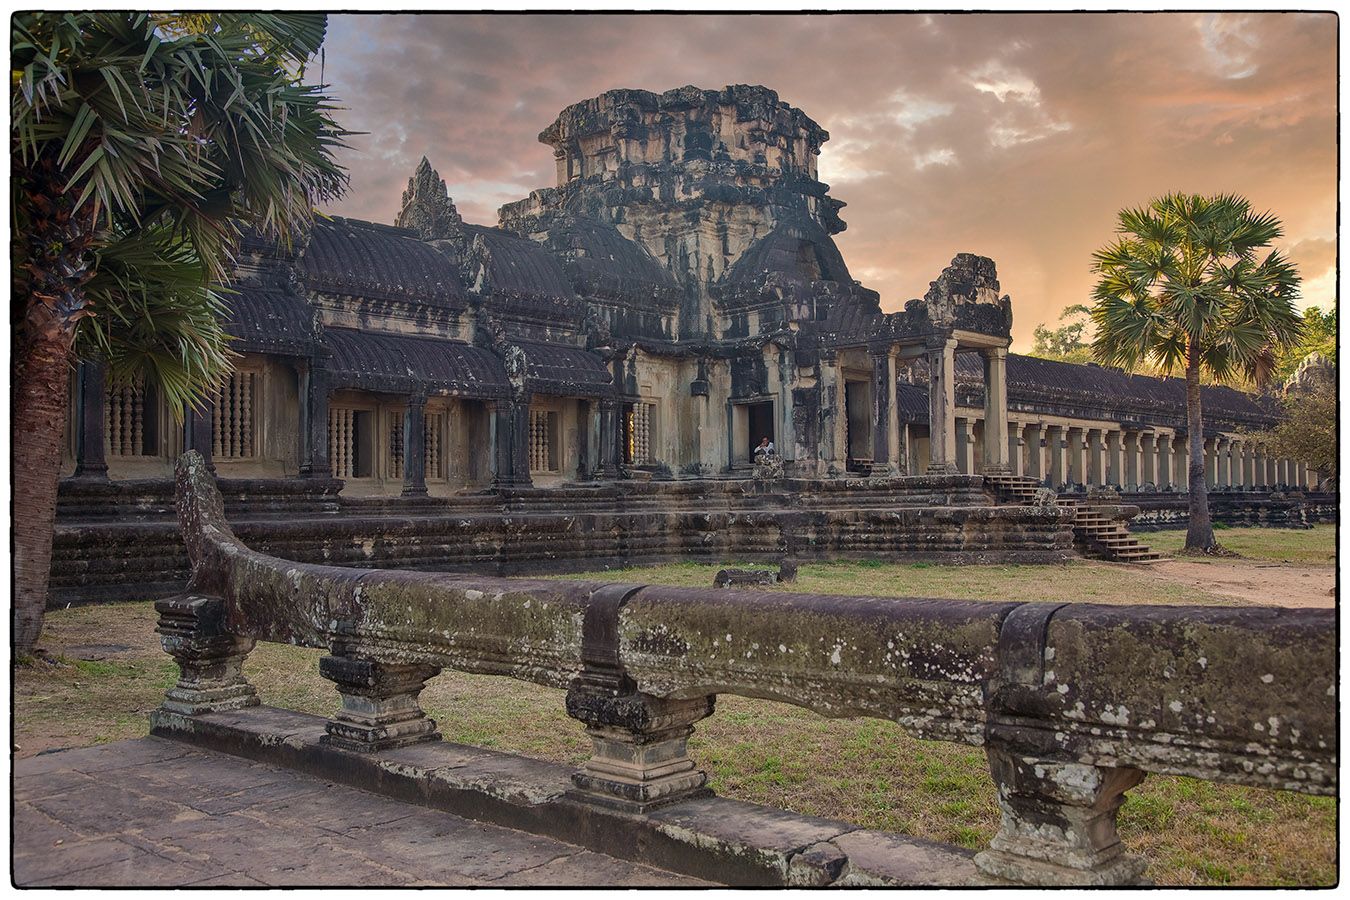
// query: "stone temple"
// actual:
[[585, 382]]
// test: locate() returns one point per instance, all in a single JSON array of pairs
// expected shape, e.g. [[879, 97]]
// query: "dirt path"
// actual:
[[1253, 581]]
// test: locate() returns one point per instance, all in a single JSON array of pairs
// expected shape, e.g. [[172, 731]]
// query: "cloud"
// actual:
[[1014, 136]]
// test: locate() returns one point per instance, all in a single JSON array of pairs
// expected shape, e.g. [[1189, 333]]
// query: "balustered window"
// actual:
[[543, 441], [640, 437], [233, 428], [435, 427], [396, 443], [131, 420], [349, 442]]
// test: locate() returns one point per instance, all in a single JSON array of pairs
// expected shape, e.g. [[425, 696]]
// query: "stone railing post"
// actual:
[[640, 757], [1058, 822], [379, 703], [210, 658]]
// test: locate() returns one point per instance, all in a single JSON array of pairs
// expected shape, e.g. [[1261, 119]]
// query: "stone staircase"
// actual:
[[1093, 534]]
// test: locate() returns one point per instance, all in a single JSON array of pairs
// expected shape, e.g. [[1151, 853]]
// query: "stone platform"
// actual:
[[158, 813], [714, 839]]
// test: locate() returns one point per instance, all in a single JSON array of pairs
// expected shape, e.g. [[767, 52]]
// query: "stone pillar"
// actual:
[[640, 758], [1056, 471], [1286, 476], [996, 410], [1211, 462], [1077, 472], [415, 447], [1115, 459], [1235, 473], [197, 424], [1259, 475], [884, 450], [1059, 822], [942, 407], [1016, 448], [609, 434], [1224, 473], [510, 443], [314, 462], [192, 629], [1097, 463], [1301, 475], [1165, 461], [91, 461], [965, 446], [1148, 459], [379, 703], [1036, 451], [1130, 446], [1182, 462]]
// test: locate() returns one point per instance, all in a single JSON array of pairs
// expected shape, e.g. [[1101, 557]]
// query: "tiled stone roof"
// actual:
[[364, 259], [566, 371], [376, 361]]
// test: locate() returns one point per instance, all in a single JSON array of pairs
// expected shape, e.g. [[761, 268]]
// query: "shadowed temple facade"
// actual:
[[627, 337]]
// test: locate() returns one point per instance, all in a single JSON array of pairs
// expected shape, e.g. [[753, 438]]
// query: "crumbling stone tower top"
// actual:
[[739, 124], [427, 208]]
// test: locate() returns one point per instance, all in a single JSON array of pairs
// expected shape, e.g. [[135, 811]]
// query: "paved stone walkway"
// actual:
[[153, 812]]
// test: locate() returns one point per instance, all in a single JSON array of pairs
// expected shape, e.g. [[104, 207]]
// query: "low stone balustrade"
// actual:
[[1073, 703]]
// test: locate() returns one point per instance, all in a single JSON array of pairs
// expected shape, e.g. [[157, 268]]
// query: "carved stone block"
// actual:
[[1059, 822], [379, 704], [640, 759], [210, 659]]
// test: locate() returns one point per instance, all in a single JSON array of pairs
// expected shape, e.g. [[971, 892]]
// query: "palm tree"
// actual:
[[141, 146], [1184, 287]]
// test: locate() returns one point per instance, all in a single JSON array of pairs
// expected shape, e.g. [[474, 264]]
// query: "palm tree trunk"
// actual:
[[40, 409], [53, 252], [1200, 531]]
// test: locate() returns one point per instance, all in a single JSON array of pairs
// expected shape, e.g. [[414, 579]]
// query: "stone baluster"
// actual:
[[1058, 822], [380, 709], [210, 658], [942, 407], [995, 410]]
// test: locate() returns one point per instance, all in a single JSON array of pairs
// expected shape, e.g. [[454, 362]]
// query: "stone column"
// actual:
[[996, 410], [1148, 458], [314, 462], [1036, 451], [415, 447], [1165, 461], [942, 407], [1016, 448], [1286, 473], [1211, 462], [91, 461], [510, 443], [1115, 459], [1259, 472], [1181, 457], [1097, 463], [1077, 472], [1130, 446], [965, 446], [1235, 467], [1301, 475], [379, 703], [1056, 469], [883, 411], [1059, 822], [609, 434]]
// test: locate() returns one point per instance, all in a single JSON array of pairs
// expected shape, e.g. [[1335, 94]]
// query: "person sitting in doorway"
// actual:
[[765, 449]]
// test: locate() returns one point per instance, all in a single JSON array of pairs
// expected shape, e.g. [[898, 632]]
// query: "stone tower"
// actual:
[[697, 178], [427, 207]]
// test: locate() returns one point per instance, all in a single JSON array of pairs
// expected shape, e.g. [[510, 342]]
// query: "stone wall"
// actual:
[[1274, 509]]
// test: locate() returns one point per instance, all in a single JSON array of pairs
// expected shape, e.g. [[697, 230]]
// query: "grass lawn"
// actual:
[[1311, 545], [107, 673]]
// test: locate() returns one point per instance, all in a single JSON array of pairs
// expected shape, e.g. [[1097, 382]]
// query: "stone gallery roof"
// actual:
[[268, 318], [386, 362], [601, 262], [381, 262], [566, 371], [800, 251], [1113, 391], [509, 264]]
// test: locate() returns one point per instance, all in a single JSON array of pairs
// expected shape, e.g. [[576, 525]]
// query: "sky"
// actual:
[[1017, 137]]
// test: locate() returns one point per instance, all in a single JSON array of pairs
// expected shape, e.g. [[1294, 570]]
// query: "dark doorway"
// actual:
[[759, 424], [858, 416]]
